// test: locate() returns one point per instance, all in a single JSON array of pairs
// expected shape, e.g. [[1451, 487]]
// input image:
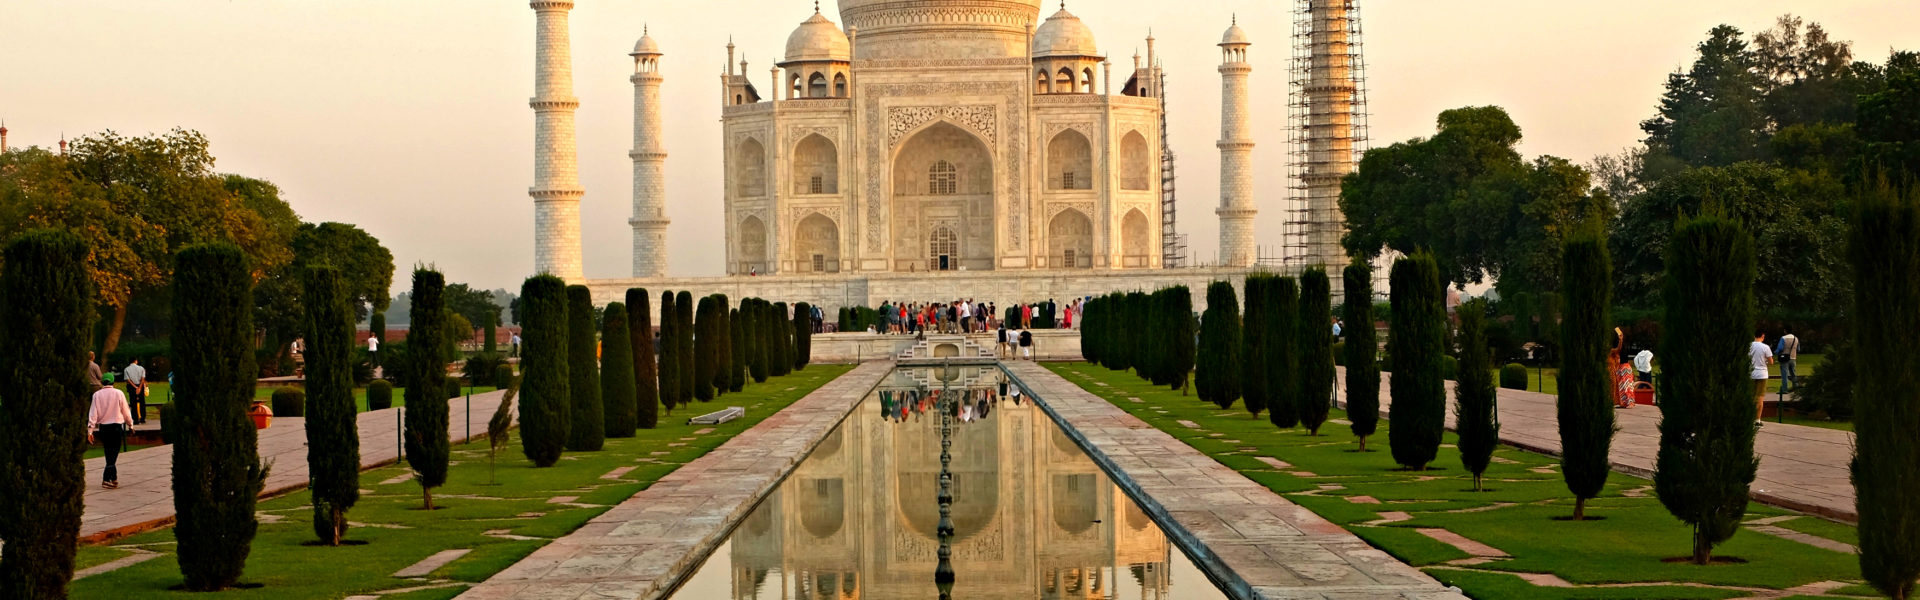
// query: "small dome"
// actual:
[[1064, 35], [818, 39], [1236, 35], [646, 46]]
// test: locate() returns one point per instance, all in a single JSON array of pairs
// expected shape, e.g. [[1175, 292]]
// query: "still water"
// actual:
[[1033, 517]]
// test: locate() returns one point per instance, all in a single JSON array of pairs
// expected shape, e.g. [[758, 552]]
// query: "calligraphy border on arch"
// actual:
[[1011, 93]]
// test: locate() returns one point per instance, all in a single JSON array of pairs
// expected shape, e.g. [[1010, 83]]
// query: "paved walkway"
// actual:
[[144, 500], [640, 548], [1802, 468], [1256, 543]]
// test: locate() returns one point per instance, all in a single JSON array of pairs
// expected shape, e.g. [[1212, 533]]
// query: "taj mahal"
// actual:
[[933, 146]]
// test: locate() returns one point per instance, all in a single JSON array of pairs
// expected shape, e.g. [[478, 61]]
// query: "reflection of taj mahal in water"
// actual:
[[1034, 517]]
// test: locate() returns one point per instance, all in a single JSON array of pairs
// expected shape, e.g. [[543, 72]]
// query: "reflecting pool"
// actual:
[[1031, 515]]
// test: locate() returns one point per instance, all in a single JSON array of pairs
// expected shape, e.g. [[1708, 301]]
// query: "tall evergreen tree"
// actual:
[[669, 352], [426, 413], [1476, 408], [723, 344], [646, 374], [1706, 460], [1585, 404], [1363, 371], [46, 316], [589, 429], [780, 355], [215, 482], [333, 434], [683, 333], [1283, 359], [1255, 387], [706, 349], [1886, 254], [753, 336], [802, 335], [1414, 345], [1217, 370], [616, 373], [736, 349], [1089, 334], [1315, 342], [377, 327], [1180, 339], [545, 394]]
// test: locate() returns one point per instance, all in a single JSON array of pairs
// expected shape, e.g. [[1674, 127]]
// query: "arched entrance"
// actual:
[[1070, 241], [816, 245], [753, 246], [1135, 247], [943, 178], [943, 250]]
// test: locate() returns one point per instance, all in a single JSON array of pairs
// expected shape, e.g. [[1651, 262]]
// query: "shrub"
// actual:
[[1476, 414], [333, 436], [46, 312], [379, 395], [1585, 405], [646, 374], [1339, 354], [706, 349], [1449, 368], [480, 368], [1282, 358], [1828, 392], [802, 335], [1886, 302], [545, 397], [589, 429], [1513, 376], [289, 402], [616, 373], [1217, 374], [503, 376], [1414, 344], [845, 324], [454, 388], [217, 481], [1315, 339], [427, 390], [669, 363]]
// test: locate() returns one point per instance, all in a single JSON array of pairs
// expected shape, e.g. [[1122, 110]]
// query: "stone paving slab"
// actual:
[[1801, 468], [428, 564], [1256, 543], [144, 500], [640, 548]]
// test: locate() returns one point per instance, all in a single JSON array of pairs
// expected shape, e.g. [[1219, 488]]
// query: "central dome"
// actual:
[[940, 29]]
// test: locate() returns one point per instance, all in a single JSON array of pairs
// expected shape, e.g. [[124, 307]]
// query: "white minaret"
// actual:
[[556, 171], [1236, 152], [649, 163]]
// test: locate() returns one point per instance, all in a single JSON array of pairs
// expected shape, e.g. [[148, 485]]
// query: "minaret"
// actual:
[[649, 163], [1236, 152], [3, 137], [556, 173]]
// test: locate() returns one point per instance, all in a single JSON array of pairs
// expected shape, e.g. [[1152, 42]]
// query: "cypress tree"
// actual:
[[780, 355], [1254, 385], [683, 333], [1217, 374], [1414, 347], [1363, 372], [1137, 326], [589, 430], [217, 481], [426, 413], [490, 345], [669, 352], [333, 435], [1089, 335], [1886, 420], [1315, 343], [646, 375], [802, 335], [46, 316], [1180, 342], [377, 327], [1153, 330], [723, 344], [1476, 410], [1585, 404], [705, 350], [845, 324], [736, 350], [616, 373], [1706, 460], [545, 394], [751, 335], [1283, 358]]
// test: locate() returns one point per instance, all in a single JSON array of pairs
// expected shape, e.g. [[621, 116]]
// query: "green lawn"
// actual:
[[474, 514], [1516, 514]]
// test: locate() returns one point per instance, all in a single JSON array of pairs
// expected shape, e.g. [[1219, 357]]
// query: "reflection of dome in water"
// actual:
[[829, 446], [1076, 503], [823, 505], [1136, 518], [761, 521], [976, 476]]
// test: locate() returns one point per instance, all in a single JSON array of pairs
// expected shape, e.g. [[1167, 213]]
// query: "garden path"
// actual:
[[1801, 468], [144, 500]]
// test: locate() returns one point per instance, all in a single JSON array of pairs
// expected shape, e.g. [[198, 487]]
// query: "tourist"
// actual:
[[1336, 329], [966, 317], [107, 423], [1000, 343], [1067, 317], [295, 347], [1761, 356], [1643, 364], [373, 342], [887, 321], [137, 390], [1787, 351], [1026, 344], [515, 341], [93, 373]]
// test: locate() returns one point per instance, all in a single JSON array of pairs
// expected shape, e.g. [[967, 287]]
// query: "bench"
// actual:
[[716, 418]]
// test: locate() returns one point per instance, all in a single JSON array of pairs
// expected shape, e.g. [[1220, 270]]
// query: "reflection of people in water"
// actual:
[[967, 405]]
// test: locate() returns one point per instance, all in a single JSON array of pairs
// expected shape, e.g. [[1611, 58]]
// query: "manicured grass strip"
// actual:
[[399, 534], [1496, 586], [1817, 526]]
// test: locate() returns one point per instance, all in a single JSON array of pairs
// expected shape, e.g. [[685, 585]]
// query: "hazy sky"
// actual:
[[410, 119]]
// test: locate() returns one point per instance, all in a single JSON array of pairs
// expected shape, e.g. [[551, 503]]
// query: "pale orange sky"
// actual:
[[410, 119]]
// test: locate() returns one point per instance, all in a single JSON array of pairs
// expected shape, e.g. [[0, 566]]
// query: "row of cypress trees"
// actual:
[[1278, 357], [1152, 334]]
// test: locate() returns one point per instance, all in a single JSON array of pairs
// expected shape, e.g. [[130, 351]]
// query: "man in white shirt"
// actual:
[[1643, 364], [107, 421], [1761, 356], [137, 390], [373, 344], [516, 344]]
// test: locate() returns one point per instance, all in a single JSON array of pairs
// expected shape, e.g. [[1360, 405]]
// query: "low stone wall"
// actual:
[[841, 348]]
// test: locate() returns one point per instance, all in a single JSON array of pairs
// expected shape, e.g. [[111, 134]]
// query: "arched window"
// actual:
[[1135, 171], [943, 179], [1041, 83], [840, 85], [817, 86], [1063, 84], [753, 246], [751, 169], [1086, 81], [816, 166], [1069, 162], [1134, 242], [943, 249]]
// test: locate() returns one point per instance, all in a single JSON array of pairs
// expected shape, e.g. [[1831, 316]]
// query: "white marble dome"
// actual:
[[818, 39], [941, 29], [1064, 35], [1236, 36], [645, 47]]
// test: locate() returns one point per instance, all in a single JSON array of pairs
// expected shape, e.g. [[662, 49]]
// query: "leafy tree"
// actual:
[[46, 310], [1414, 348], [546, 396], [1476, 410], [802, 335], [1314, 342], [1706, 460], [589, 429], [1255, 387], [333, 435], [1585, 404], [217, 480], [1282, 368], [1890, 120], [646, 375], [669, 352], [616, 373], [1217, 372], [1179, 342], [365, 266], [706, 349], [1886, 234], [1363, 372], [476, 305], [427, 414]]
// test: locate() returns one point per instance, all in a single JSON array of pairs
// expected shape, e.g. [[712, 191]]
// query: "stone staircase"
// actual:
[[946, 346]]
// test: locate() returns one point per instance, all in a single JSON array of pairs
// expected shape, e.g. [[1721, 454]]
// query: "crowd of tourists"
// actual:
[[967, 316]]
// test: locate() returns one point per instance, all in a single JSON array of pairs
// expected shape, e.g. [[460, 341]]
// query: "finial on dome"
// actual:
[[1236, 18], [816, 7]]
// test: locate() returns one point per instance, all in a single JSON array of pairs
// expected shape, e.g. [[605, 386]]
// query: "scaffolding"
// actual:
[[1327, 127], [1173, 245]]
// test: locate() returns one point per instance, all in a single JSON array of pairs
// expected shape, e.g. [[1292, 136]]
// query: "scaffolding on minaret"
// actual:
[[1173, 244], [1327, 127]]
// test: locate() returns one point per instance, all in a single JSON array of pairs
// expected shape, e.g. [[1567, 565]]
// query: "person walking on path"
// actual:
[[137, 390], [515, 340], [1787, 351], [93, 372], [1762, 356], [107, 422], [1026, 344], [1643, 364]]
